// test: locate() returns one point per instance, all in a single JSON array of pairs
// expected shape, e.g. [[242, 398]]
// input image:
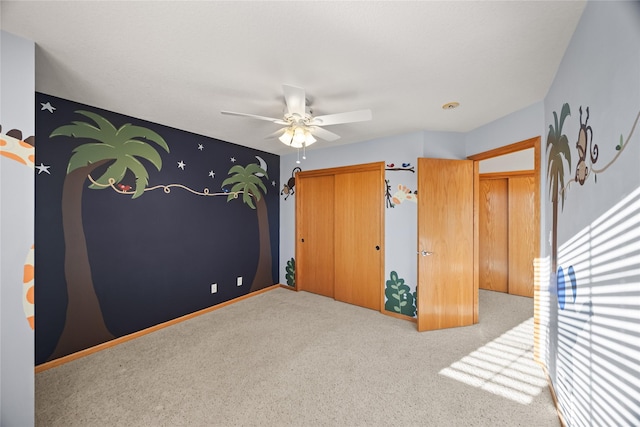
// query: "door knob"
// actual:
[[425, 253]]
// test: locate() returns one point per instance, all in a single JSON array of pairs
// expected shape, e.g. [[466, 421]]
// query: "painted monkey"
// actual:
[[585, 136], [288, 188]]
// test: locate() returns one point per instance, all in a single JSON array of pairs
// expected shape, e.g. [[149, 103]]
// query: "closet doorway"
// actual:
[[509, 217], [340, 233], [507, 234]]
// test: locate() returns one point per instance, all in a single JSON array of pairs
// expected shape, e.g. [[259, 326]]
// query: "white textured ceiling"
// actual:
[[179, 63]]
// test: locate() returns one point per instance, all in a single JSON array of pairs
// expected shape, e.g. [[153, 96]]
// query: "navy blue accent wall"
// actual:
[[152, 258]]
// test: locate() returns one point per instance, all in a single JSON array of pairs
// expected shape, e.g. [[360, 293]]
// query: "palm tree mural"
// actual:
[[248, 182], [558, 151], [84, 326]]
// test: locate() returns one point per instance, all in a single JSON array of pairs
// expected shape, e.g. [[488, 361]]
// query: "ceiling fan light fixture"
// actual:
[[287, 137], [299, 136], [309, 139]]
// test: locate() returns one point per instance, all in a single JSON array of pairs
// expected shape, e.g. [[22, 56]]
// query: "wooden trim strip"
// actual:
[[510, 174], [553, 394], [381, 206], [86, 352], [516, 146], [398, 315], [476, 242], [344, 169]]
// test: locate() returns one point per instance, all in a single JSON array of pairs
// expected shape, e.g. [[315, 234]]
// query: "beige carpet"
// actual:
[[293, 358]]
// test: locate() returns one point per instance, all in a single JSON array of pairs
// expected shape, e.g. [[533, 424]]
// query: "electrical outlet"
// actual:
[[239, 281], [214, 288]]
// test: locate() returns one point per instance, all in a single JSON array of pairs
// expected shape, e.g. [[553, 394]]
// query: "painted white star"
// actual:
[[273, 183], [47, 106], [212, 174], [200, 147], [43, 168], [181, 164], [233, 160]]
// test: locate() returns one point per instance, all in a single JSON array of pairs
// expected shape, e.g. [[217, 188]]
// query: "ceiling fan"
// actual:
[[300, 126]]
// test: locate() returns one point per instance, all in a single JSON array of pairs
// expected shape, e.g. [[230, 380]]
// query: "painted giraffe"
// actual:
[[13, 147]]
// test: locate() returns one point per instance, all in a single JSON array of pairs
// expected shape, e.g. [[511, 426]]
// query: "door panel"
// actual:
[[523, 235], [315, 234], [358, 239], [446, 296], [340, 233], [493, 228]]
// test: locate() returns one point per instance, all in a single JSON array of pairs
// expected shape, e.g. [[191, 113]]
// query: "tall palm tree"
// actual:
[[84, 326], [558, 151], [248, 181]]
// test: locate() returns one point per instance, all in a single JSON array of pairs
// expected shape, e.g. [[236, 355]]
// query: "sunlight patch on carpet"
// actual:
[[504, 366]]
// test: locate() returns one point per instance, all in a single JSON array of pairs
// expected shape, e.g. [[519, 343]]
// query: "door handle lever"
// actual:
[[424, 253]]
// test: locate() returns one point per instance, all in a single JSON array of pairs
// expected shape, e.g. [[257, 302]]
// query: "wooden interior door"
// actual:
[[493, 213], [447, 294], [524, 236], [359, 206], [315, 234]]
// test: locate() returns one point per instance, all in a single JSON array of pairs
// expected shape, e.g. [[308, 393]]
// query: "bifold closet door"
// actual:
[[358, 237], [524, 238], [315, 231], [493, 213]]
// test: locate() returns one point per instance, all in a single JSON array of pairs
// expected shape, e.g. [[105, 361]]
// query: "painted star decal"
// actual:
[[43, 168], [200, 147], [47, 106], [181, 164], [233, 160], [212, 174], [273, 183]]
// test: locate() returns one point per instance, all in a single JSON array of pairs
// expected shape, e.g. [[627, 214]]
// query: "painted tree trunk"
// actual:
[[554, 239], [263, 277], [553, 287], [84, 325]]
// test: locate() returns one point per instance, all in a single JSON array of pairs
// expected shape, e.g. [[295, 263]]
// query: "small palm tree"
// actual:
[[558, 151], [248, 182], [84, 326]]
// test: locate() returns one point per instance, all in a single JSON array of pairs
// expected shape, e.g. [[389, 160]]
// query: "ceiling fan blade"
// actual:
[[254, 116], [323, 133], [336, 119], [295, 99], [275, 134]]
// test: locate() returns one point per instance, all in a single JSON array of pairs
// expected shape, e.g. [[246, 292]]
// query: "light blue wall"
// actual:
[[591, 335], [17, 87], [517, 126]]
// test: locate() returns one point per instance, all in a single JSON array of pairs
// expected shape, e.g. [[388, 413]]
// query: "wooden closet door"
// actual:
[[447, 295], [359, 257], [315, 234], [493, 214], [523, 235]]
